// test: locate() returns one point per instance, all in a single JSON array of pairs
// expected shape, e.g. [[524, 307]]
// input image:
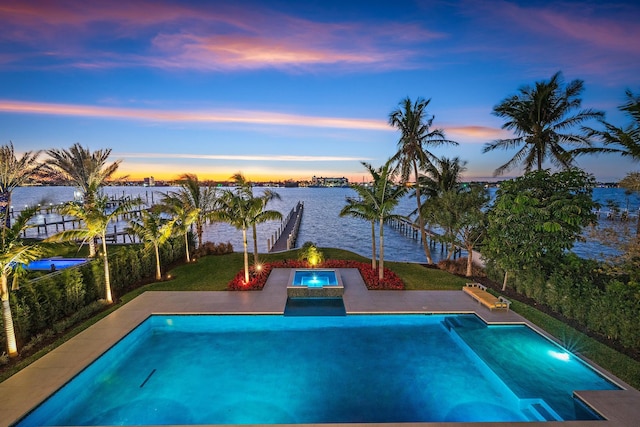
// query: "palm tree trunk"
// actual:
[[7, 319], [246, 255], [158, 271], [89, 205], [255, 244], [107, 276], [5, 210], [381, 250], [423, 231], [92, 248], [504, 282], [186, 246], [373, 245], [199, 231]]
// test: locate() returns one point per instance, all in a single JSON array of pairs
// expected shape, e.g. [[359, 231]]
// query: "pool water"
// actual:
[[264, 369], [315, 278], [57, 263]]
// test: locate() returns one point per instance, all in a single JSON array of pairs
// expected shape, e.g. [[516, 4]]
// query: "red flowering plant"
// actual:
[[258, 277], [390, 281]]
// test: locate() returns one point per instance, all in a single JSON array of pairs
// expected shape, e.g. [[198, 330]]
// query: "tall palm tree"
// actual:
[[154, 231], [87, 170], [381, 199], [14, 172], [259, 213], [542, 118], [358, 207], [195, 197], [184, 214], [242, 210], [13, 253], [416, 137], [95, 219], [235, 208]]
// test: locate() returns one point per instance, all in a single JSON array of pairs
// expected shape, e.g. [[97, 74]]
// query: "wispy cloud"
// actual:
[[592, 24], [255, 158], [585, 39], [216, 116], [479, 133], [206, 36]]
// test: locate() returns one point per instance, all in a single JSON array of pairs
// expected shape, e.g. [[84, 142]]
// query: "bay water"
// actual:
[[321, 223]]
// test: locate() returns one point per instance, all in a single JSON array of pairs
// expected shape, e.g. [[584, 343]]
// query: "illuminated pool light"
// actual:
[[560, 355]]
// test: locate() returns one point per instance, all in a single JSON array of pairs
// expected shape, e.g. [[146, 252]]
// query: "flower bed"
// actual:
[[258, 277]]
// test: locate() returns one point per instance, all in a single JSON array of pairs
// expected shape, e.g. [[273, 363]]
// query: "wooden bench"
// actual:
[[480, 294]]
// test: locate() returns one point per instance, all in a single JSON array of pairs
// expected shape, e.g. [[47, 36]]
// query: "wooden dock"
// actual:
[[285, 238], [408, 228]]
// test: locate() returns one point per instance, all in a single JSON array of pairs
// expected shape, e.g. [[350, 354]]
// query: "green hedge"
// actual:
[[580, 290], [41, 303]]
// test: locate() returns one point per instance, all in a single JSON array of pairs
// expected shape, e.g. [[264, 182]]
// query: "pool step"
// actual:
[[538, 410], [465, 322]]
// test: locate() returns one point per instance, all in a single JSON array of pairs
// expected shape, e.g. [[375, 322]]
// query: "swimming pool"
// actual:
[[263, 369], [52, 264]]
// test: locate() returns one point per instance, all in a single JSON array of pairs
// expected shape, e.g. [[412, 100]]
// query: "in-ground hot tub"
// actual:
[[310, 282]]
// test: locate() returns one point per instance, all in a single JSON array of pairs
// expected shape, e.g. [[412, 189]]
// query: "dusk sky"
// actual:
[[282, 89]]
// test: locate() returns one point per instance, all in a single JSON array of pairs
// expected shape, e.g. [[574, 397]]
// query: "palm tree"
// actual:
[[195, 198], [14, 253], [86, 170], [154, 231], [184, 215], [381, 199], [542, 118], [235, 208], [14, 172], [259, 213], [416, 136], [95, 220], [242, 210], [358, 207], [442, 175], [441, 184], [618, 140]]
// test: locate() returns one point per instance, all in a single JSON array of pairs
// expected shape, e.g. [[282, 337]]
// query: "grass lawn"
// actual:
[[212, 273]]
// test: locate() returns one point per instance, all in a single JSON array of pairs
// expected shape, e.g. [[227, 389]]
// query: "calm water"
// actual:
[[321, 223], [278, 369]]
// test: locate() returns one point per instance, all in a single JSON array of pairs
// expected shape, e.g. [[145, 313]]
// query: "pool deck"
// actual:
[[26, 389]]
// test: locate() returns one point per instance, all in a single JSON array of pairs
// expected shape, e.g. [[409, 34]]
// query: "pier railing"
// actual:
[[285, 237]]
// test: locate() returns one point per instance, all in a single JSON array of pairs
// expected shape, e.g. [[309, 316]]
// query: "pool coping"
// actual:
[[27, 388]]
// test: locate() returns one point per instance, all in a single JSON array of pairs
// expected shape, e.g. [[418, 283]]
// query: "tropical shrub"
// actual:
[[58, 298], [210, 248]]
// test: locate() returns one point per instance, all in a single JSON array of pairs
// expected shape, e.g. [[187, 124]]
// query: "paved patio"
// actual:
[[29, 387]]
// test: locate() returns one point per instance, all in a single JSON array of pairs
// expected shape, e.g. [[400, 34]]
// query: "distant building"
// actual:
[[329, 182], [149, 182]]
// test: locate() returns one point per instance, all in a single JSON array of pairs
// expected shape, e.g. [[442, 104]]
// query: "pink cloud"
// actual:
[[211, 36], [229, 52], [480, 133], [217, 116]]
